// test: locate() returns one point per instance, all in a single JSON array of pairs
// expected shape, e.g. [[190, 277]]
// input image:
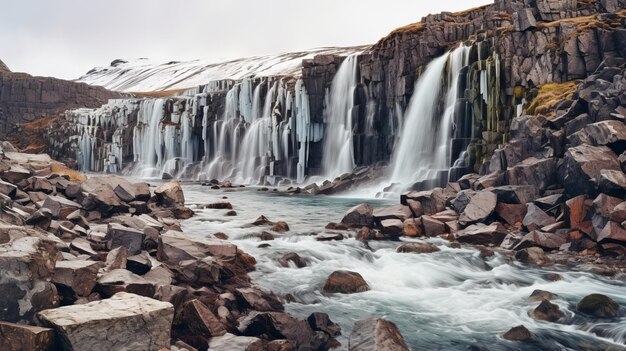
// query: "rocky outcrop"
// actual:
[[25, 100]]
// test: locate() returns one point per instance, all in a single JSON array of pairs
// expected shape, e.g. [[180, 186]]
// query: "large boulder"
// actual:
[[580, 169], [359, 216], [345, 282], [229, 342], [480, 207], [26, 265], [400, 212], [123, 322], [376, 334], [548, 241]]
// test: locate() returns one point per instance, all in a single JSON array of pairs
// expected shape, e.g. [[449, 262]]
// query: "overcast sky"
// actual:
[[66, 38]]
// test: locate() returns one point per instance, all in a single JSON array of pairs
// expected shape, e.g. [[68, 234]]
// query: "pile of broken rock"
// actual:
[[101, 263]]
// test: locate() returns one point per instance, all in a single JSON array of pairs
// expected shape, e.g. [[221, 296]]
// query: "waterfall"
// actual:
[[338, 155], [423, 149]]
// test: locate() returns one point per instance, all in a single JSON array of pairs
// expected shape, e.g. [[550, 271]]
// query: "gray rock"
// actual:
[[479, 208], [130, 238], [123, 322]]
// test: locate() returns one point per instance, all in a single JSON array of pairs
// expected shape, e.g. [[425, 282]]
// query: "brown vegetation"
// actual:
[[549, 95]]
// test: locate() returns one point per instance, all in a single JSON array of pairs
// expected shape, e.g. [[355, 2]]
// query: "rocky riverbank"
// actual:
[[101, 263]]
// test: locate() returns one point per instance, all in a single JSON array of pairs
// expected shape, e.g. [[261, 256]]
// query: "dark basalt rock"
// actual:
[[599, 306], [547, 311]]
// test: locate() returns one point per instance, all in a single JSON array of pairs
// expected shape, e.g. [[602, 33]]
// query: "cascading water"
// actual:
[[338, 156], [423, 149]]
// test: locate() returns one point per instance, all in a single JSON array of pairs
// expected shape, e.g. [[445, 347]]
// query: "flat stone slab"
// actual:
[[123, 322]]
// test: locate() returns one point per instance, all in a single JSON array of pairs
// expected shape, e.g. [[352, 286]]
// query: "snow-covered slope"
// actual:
[[144, 75]]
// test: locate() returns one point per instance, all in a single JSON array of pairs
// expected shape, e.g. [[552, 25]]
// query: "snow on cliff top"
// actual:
[[145, 75]]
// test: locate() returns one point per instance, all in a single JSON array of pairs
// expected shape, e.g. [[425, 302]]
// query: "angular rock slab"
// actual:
[[123, 322], [22, 337]]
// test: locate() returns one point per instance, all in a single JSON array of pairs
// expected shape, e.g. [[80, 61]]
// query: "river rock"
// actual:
[[376, 334], [345, 282], [618, 213], [280, 227], [200, 320], [533, 255], [393, 227], [292, 257], [540, 295], [359, 216], [417, 248], [412, 227], [479, 208], [581, 167], [432, 227], [170, 194], [78, 275], [519, 333], [547, 311], [599, 306], [113, 324], [321, 322], [482, 234]]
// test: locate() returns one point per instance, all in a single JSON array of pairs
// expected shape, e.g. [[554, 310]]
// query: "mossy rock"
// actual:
[[598, 305]]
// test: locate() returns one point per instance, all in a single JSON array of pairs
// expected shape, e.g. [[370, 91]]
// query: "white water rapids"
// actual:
[[448, 300]]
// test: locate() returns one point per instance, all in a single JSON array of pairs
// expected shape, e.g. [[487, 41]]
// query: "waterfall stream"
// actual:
[[423, 148], [338, 155]]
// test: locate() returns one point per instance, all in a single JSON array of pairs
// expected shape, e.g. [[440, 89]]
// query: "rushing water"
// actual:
[[449, 300], [338, 155]]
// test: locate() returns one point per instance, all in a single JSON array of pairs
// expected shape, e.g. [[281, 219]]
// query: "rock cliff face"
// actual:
[[24, 98], [515, 51]]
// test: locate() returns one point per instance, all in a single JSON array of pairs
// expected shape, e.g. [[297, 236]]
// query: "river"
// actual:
[[453, 299]]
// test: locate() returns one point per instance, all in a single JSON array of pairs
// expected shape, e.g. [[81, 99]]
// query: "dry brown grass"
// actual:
[[549, 96], [61, 169], [468, 11]]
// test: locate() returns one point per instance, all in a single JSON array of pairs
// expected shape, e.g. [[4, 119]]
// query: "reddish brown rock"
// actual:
[[513, 214], [345, 282], [22, 337], [200, 320], [412, 227], [417, 248]]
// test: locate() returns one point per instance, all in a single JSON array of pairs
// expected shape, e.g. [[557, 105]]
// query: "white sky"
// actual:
[[66, 38]]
